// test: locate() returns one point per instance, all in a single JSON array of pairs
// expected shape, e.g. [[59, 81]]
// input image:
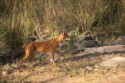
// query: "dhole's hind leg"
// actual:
[[27, 55], [31, 58], [23, 59]]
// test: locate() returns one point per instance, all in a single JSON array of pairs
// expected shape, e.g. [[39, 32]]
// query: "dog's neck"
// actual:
[[59, 38]]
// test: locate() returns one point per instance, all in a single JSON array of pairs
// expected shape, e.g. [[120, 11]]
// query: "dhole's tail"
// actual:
[[19, 53]]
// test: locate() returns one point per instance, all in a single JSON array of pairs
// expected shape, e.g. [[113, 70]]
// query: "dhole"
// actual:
[[46, 46]]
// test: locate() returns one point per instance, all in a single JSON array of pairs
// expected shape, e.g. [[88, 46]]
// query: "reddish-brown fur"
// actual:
[[46, 46]]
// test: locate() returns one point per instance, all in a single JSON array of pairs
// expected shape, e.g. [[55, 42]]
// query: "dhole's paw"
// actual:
[[53, 61]]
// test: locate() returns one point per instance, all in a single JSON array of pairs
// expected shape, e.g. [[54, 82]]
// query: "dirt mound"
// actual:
[[114, 62]]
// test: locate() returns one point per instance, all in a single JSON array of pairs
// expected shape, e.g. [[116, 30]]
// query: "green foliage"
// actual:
[[20, 18], [70, 44]]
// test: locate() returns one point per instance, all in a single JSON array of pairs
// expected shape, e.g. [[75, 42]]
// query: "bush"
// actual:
[[21, 18]]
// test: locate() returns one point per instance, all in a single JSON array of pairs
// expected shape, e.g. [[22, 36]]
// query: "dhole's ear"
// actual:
[[61, 31]]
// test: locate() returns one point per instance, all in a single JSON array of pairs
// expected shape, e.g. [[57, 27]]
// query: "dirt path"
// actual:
[[78, 68], [68, 72]]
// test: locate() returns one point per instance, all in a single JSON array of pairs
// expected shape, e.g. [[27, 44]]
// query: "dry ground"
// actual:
[[69, 69]]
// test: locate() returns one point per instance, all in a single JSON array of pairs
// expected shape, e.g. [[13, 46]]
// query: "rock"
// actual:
[[14, 65], [114, 62], [87, 41], [88, 38], [121, 38], [88, 68], [105, 49], [96, 66], [7, 69], [4, 73], [90, 43], [96, 69]]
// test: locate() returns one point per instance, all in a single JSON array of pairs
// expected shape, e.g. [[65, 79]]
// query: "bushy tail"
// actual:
[[19, 53]]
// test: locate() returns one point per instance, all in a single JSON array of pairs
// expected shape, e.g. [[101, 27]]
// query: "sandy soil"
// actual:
[[69, 69]]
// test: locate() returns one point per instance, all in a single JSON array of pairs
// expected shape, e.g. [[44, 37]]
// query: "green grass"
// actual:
[[20, 19]]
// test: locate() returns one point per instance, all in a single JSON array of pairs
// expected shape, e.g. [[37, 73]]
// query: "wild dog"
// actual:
[[46, 46]]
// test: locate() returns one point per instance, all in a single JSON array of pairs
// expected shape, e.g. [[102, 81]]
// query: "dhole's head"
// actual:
[[62, 36]]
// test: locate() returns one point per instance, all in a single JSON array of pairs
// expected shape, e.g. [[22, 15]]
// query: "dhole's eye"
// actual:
[[66, 35]]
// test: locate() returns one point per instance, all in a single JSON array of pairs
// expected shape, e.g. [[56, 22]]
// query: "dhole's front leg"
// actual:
[[52, 57], [52, 54]]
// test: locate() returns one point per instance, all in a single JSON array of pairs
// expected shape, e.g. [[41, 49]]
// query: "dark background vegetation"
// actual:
[[21, 18]]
